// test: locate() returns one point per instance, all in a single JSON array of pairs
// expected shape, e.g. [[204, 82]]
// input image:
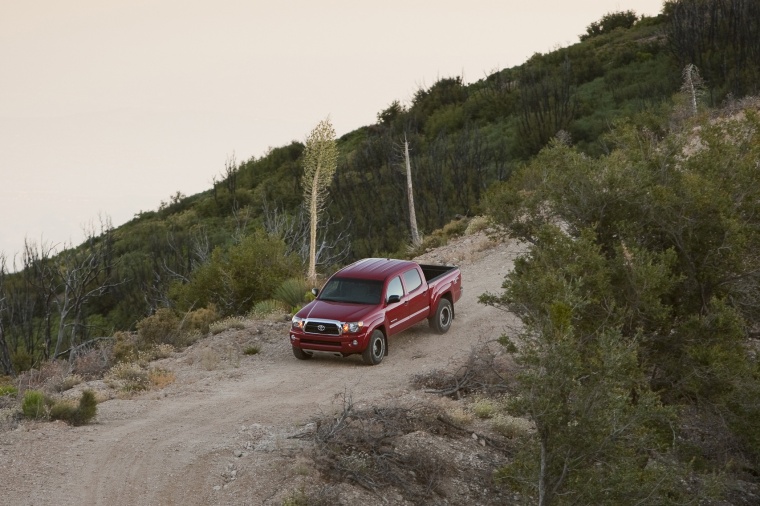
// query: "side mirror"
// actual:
[[392, 299], [315, 291]]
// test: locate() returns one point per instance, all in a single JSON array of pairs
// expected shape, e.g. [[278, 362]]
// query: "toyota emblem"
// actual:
[[321, 328]]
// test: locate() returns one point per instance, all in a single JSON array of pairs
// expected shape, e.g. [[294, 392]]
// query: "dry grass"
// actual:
[[460, 416], [94, 362], [483, 407], [511, 427], [484, 372], [233, 322], [49, 374], [477, 224], [67, 383], [128, 377], [161, 378], [209, 359], [358, 446]]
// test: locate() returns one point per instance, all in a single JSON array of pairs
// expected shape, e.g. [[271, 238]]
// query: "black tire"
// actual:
[[444, 314], [300, 354], [375, 350]]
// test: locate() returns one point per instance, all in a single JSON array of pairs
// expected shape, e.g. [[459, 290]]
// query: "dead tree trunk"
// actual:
[[416, 241]]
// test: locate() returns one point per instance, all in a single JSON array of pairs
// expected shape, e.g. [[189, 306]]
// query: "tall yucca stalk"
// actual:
[[320, 159]]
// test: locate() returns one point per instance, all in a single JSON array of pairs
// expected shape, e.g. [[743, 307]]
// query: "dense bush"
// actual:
[[199, 320], [238, 276], [35, 404], [292, 293], [160, 327], [639, 294], [80, 414]]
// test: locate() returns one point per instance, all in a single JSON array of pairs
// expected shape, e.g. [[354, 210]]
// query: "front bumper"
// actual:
[[345, 344]]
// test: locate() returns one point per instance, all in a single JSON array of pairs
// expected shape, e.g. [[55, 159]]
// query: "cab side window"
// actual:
[[395, 288], [412, 280]]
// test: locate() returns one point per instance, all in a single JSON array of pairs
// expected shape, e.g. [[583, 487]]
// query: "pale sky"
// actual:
[[108, 107]]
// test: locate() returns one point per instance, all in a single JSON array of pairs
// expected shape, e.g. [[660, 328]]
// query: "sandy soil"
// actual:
[[222, 432]]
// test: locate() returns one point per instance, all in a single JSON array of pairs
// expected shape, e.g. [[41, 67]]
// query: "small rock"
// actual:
[[474, 436], [238, 453], [217, 487]]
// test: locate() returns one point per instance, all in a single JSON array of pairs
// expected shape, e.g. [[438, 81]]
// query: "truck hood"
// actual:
[[340, 311]]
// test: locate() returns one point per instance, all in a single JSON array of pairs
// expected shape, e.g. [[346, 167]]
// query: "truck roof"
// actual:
[[375, 268]]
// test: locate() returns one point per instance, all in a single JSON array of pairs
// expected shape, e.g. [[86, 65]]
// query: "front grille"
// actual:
[[322, 328]]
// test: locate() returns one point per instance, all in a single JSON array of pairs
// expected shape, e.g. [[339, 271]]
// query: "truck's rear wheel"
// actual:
[[300, 354], [375, 350], [444, 314]]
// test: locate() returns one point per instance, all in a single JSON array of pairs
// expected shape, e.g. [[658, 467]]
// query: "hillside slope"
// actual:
[[223, 432]]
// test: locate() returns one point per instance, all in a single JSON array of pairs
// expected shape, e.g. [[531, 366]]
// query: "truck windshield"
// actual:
[[354, 291]]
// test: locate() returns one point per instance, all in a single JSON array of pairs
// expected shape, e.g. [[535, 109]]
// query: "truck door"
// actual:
[[396, 312], [417, 295]]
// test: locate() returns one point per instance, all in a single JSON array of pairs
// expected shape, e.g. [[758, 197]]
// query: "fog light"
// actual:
[[355, 342]]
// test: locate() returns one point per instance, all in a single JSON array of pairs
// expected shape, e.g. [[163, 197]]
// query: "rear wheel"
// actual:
[[300, 354], [444, 314], [375, 350]]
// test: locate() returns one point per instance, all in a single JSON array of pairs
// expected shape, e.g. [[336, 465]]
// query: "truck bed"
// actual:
[[433, 272]]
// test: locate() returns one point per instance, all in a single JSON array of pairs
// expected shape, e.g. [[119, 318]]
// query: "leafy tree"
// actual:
[[546, 105], [609, 22], [390, 114], [719, 37], [602, 435], [320, 160], [655, 258], [237, 276]]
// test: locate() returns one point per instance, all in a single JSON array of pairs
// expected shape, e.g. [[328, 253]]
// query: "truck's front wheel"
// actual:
[[444, 313], [300, 354], [375, 350]]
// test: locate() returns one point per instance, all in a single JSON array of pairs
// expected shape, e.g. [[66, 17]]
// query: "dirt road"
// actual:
[[223, 436]]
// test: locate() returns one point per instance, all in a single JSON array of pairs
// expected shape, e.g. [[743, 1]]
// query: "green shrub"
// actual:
[[455, 228], [292, 292], [200, 320], [484, 408], [160, 327], [63, 410], [234, 276], [22, 360], [76, 415], [266, 308], [9, 390], [34, 405], [252, 350]]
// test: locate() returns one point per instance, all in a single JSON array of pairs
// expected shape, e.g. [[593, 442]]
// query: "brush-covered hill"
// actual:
[[233, 245]]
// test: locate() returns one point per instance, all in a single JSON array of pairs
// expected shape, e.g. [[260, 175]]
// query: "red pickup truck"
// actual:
[[362, 305]]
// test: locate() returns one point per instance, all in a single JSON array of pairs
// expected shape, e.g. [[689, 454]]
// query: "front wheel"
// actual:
[[444, 314], [375, 350], [300, 354]]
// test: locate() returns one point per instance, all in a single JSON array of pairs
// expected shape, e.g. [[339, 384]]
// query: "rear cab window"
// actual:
[[412, 280]]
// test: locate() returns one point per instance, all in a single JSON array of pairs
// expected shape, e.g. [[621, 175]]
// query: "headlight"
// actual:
[[296, 323], [353, 327]]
